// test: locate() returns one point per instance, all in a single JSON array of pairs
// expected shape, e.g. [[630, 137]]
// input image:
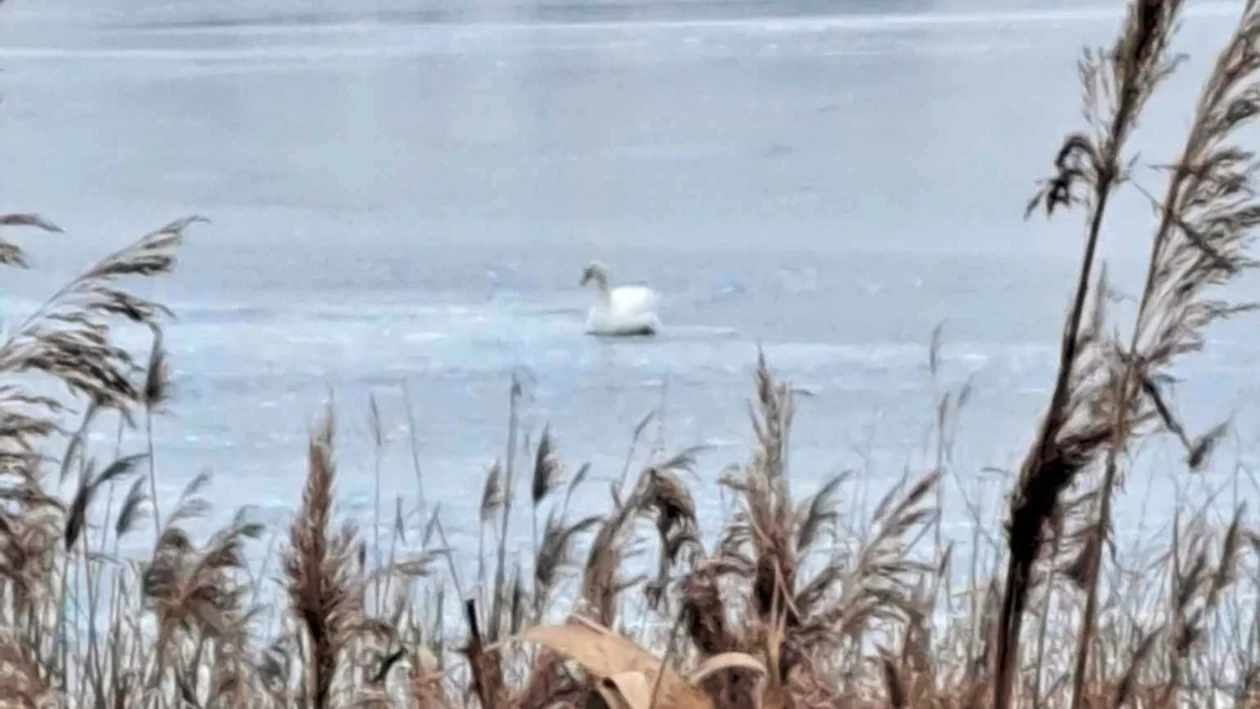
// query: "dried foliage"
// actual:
[[1105, 393], [325, 594], [808, 601]]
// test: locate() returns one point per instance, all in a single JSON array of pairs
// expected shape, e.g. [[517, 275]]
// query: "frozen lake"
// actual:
[[412, 193]]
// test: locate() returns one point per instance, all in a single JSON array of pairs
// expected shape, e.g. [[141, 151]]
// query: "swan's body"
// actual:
[[624, 310]]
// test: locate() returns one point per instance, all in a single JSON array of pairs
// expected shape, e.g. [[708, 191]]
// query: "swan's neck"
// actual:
[[602, 292]]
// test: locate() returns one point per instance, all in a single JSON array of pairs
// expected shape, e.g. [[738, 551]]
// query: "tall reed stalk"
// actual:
[[1088, 168]]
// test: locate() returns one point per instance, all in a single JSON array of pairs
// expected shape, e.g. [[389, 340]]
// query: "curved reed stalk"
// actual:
[[1206, 221], [1089, 167]]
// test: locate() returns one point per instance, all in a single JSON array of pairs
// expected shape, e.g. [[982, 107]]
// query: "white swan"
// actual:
[[624, 310]]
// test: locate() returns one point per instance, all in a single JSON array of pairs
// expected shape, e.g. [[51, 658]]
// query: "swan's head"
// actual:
[[596, 273]]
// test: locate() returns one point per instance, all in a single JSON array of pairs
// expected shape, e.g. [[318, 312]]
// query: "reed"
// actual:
[[1105, 393], [325, 589]]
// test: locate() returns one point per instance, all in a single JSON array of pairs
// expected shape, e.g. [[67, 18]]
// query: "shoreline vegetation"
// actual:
[[788, 607]]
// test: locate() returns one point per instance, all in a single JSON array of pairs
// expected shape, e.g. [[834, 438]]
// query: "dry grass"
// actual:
[[325, 593], [783, 605]]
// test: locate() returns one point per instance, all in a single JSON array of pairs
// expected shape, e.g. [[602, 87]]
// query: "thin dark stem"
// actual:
[[1019, 565], [477, 657]]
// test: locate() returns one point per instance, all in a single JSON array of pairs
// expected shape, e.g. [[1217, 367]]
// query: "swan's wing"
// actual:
[[631, 301]]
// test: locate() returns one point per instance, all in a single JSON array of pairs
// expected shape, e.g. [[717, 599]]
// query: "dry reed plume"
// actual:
[[1104, 393], [324, 593]]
